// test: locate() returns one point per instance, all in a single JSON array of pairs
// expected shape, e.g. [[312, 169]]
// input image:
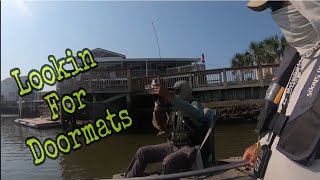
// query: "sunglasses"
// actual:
[[275, 5]]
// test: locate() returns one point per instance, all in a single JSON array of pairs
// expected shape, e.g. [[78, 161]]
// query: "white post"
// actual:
[[146, 67], [20, 107]]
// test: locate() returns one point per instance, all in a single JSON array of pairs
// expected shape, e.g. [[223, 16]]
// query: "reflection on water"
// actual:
[[100, 159]]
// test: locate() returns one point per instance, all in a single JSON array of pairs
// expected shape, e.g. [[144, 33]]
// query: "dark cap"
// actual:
[[178, 85]]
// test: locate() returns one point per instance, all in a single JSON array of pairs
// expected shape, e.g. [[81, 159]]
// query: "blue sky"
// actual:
[[30, 31]]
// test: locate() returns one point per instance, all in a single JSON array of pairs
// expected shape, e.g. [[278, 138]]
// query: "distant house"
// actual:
[[10, 91], [143, 66], [116, 76], [10, 99]]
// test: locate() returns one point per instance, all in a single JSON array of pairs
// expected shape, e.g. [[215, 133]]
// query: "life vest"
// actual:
[[300, 136], [276, 89], [299, 131], [181, 131]]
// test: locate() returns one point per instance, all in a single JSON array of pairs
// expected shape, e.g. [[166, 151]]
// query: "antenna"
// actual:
[[157, 41]]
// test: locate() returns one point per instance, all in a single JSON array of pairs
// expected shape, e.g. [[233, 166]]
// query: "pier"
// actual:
[[120, 81], [234, 92], [37, 123], [208, 85], [118, 88]]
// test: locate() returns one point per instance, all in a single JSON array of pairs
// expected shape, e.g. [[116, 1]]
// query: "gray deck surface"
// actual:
[[232, 174]]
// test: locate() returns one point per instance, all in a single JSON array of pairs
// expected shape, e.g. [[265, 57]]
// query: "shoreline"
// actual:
[[236, 111]]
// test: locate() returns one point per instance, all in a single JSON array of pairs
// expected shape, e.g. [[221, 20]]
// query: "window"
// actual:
[[136, 67], [162, 67]]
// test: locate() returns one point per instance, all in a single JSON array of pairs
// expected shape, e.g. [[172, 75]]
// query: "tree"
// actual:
[[283, 45], [241, 59], [268, 51], [271, 47], [256, 50]]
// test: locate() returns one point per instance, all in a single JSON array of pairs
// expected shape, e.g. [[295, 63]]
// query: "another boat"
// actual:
[[232, 168], [205, 166]]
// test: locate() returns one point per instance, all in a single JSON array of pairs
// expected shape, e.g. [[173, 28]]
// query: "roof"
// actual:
[[98, 52], [164, 59], [118, 59], [11, 79], [102, 55]]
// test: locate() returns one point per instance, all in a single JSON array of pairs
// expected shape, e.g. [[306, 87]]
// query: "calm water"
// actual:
[[100, 159]]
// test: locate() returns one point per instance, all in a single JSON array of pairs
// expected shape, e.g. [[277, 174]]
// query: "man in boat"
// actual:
[[184, 127], [291, 147]]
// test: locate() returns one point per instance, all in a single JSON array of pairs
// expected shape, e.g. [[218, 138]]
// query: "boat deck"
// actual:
[[37, 122], [232, 174], [240, 173]]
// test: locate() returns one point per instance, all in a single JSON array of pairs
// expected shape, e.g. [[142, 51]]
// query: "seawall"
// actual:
[[236, 111]]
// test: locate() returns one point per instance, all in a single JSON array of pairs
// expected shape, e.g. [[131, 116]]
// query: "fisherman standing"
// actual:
[[291, 148]]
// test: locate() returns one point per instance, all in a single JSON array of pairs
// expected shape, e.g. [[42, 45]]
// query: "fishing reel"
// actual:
[[156, 98], [160, 101]]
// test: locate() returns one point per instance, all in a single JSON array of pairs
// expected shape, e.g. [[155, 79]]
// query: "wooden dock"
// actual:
[[9, 116], [38, 122], [121, 80], [106, 86]]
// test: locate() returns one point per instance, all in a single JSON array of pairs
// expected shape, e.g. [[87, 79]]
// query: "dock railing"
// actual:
[[121, 80], [223, 78]]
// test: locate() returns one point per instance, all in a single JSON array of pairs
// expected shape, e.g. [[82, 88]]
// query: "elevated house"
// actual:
[[113, 69], [112, 83], [142, 66]]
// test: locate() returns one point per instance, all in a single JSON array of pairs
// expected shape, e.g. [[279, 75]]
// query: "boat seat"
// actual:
[[205, 153]]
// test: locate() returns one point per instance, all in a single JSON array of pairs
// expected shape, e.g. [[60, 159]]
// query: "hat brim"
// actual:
[[258, 5], [173, 88]]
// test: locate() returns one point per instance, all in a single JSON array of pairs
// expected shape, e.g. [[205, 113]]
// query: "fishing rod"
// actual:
[[155, 32], [157, 40]]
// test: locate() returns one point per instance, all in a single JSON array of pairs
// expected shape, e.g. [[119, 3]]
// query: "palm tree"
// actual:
[[257, 52], [241, 59], [271, 48], [276, 47], [268, 51], [283, 45]]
